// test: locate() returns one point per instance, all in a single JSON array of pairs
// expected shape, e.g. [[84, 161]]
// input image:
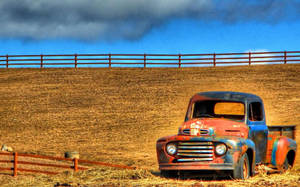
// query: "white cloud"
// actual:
[[127, 19]]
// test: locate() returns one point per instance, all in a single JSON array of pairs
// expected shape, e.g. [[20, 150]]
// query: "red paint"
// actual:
[[282, 150], [221, 127]]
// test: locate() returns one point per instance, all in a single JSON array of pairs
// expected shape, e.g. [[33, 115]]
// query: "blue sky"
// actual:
[[174, 33]]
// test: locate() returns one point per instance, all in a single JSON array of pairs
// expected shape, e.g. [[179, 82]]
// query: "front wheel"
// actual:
[[242, 169]]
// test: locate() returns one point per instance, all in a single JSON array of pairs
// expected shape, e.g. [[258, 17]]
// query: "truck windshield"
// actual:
[[219, 109]]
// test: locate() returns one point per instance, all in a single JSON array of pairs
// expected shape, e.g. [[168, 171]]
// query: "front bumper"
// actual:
[[196, 166]]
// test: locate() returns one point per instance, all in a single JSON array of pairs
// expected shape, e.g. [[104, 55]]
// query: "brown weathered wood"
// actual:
[[5, 169], [109, 60], [6, 61], [6, 153], [144, 60], [45, 157], [152, 59], [285, 57], [214, 59], [75, 60], [46, 165], [6, 161], [41, 61], [249, 58], [75, 164], [15, 164]]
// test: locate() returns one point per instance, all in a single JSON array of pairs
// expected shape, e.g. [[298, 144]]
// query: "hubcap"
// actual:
[[245, 169]]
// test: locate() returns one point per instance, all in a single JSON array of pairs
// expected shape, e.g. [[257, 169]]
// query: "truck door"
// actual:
[[258, 131]]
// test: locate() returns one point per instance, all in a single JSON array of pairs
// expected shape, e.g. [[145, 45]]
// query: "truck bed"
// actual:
[[275, 132], [284, 130]]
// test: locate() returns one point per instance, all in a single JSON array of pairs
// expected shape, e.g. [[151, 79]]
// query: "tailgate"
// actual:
[[287, 130]]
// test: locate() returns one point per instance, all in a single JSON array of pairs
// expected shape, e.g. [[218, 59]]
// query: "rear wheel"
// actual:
[[242, 169], [285, 165]]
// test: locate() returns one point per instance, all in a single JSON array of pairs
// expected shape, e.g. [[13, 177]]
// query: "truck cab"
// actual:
[[226, 131]]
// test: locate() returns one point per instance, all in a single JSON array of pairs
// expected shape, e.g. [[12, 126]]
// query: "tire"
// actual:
[[168, 173], [285, 166], [242, 169]]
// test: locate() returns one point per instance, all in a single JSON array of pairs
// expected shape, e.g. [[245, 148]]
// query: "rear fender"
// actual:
[[281, 147]]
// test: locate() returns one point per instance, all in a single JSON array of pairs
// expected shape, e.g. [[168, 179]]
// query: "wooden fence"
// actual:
[[73, 164], [147, 60]]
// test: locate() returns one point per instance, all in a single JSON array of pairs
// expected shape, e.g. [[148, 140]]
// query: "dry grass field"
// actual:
[[116, 115]]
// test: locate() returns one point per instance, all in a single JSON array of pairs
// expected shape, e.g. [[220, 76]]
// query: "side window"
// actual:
[[255, 111], [191, 115]]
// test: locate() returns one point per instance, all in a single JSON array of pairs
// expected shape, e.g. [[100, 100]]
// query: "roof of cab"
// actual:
[[231, 96]]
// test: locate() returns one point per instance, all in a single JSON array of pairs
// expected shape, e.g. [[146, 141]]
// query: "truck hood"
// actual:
[[213, 127]]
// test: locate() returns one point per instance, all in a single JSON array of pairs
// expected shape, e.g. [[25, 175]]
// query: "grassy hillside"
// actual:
[[116, 115]]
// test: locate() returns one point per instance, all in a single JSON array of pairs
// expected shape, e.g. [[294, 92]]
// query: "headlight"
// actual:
[[221, 149], [171, 148]]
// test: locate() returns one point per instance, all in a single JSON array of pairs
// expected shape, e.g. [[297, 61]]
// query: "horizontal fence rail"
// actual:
[[147, 60], [43, 161]]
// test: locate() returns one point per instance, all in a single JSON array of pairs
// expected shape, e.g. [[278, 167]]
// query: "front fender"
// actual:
[[239, 147], [281, 147], [161, 143]]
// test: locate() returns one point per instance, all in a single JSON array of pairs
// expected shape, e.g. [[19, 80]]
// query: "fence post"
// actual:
[[75, 164], [285, 57], [15, 164], [179, 60], [6, 61], [41, 61], [249, 58], [109, 60], [144, 60], [75, 58], [214, 59]]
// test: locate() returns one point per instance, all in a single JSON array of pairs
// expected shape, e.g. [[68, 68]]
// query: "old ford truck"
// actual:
[[226, 131]]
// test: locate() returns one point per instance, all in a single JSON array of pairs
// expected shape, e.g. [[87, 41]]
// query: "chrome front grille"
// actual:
[[186, 131], [201, 131], [195, 151]]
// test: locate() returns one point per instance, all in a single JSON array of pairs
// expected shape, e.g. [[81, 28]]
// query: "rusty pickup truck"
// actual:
[[226, 132]]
